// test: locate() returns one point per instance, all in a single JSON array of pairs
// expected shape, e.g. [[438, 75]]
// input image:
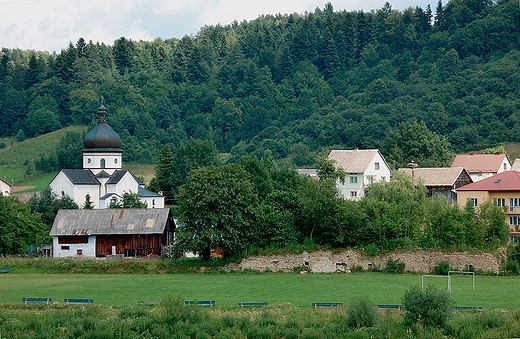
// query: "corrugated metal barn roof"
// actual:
[[124, 221]]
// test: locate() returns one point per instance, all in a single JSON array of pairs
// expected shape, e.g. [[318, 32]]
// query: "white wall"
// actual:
[[383, 173], [61, 184], [81, 191], [159, 202], [347, 188], [113, 161], [5, 189], [88, 250]]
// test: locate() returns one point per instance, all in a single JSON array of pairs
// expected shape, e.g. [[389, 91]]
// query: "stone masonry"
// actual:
[[329, 261]]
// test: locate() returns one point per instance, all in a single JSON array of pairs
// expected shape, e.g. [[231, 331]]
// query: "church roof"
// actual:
[[81, 176], [111, 221], [143, 192], [108, 195], [102, 137], [102, 174]]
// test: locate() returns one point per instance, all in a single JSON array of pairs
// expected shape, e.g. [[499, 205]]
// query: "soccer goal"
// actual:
[[427, 276], [462, 273]]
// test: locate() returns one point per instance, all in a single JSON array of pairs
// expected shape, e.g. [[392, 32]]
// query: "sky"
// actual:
[[49, 25]]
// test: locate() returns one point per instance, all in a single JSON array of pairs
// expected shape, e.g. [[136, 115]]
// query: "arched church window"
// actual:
[[102, 163]]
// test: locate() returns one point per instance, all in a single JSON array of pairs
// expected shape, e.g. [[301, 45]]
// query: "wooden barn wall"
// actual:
[[129, 245]]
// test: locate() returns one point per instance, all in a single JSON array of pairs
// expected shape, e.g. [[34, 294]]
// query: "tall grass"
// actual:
[[172, 319]]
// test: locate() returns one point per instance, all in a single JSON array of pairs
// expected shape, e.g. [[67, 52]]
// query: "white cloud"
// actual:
[[51, 24]]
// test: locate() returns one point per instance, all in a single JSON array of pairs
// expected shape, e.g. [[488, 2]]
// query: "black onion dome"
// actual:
[[102, 136]]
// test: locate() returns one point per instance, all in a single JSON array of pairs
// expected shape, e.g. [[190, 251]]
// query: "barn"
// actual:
[[124, 232]]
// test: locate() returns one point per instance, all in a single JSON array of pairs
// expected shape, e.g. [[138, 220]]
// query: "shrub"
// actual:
[[356, 268], [394, 266], [442, 268], [172, 309], [429, 307], [512, 267], [361, 313], [372, 250]]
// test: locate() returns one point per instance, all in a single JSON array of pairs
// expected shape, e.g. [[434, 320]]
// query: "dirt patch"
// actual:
[[16, 189]]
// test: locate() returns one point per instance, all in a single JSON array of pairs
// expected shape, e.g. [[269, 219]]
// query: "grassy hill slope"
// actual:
[[16, 155]]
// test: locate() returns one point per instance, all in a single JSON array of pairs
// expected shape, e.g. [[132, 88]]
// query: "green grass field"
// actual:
[[228, 289]]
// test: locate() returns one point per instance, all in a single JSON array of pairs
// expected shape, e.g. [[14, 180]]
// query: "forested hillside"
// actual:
[[418, 84]]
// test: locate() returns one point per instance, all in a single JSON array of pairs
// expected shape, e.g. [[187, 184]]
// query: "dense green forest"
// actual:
[[423, 78]]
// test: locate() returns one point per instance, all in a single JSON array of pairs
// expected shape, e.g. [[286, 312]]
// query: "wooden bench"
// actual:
[[200, 302], [36, 300], [148, 302], [78, 301], [326, 304], [389, 306], [5, 269], [253, 303], [467, 308]]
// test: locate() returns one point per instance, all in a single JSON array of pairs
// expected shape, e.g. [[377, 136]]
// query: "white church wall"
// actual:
[[62, 185], [93, 161], [81, 191], [151, 202], [127, 184]]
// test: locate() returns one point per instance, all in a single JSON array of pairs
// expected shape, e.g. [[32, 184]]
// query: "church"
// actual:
[[102, 179]]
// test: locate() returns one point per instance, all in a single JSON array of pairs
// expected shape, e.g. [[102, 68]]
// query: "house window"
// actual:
[[499, 202], [474, 201], [513, 202], [115, 161], [370, 179], [153, 202], [79, 252], [102, 163], [353, 179], [376, 166], [383, 178], [113, 200], [353, 194], [505, 166], [514, 221], [65, 248]]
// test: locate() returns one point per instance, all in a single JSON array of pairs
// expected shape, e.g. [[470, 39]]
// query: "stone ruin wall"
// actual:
[[329, 261]]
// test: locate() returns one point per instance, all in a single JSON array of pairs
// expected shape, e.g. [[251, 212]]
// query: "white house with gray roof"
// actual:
[[361, 167], [102, 177]]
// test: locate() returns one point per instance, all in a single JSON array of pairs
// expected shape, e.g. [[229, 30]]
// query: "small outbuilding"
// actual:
[[124, 232]]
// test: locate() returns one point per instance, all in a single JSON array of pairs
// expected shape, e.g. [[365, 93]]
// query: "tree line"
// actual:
[[293, 84], [257, 204]]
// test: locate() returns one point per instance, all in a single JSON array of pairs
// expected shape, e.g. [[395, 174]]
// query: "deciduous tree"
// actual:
[[216, 207]]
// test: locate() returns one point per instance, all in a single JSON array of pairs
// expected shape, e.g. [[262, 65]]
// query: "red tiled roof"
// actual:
[[505, 181], [487, 163]]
